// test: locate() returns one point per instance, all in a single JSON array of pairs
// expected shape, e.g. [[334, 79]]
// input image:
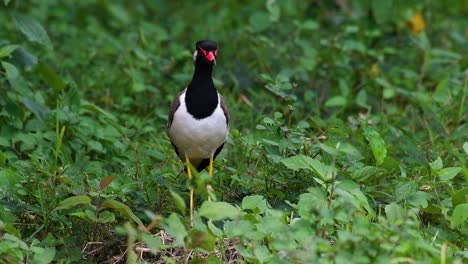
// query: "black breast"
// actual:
[[201, 102]]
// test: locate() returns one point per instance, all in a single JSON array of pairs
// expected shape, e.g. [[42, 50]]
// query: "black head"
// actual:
[[205, 52]]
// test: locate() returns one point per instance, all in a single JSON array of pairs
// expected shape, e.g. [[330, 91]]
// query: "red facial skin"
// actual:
[[209, 55]]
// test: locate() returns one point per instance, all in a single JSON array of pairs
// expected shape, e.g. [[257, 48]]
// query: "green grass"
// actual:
[[348, 142]]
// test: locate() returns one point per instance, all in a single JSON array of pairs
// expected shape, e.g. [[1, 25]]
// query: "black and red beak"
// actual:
[[209, 55]]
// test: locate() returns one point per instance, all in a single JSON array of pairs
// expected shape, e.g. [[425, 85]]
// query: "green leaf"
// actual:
[[37, 108], [262, 254], [73, 201], [257, 203], [10, 71], [442, 92], [214, 229], [437, 164], [309, 25], [394, 213], [174, 227], [316, 198], [106, 217], [383, 10], [154, 243], [465, 147], [336, 101], [449, 173], [3, 159], [419, 199], [219, 210], [179, 202], [304, 162], [377, 143], [43, 255], [51, 77], [460, 215], [24, 58], [121, 208], [5, 51], [460, 196], [365, 172], [297, 162], [260, 21], [32, 29]]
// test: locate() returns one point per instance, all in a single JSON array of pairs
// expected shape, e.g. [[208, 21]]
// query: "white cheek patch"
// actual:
[[195, 54]]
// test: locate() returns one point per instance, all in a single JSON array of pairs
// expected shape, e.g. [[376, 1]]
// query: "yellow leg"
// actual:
[[210, 174], [189, 173]]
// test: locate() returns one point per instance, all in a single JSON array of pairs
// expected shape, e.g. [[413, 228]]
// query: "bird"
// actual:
[[198, 121]]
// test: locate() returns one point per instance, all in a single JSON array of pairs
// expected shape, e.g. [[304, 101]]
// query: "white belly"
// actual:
[[197, 139]]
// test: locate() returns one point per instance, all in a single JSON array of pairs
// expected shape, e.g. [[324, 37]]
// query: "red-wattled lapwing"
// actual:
[[198, 123]]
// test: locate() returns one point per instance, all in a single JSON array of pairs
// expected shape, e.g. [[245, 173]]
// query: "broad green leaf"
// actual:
[[304, 162], [389, 93], [37, 108], [106, 217], [219, 210], [460, 196], [314, 199], [459, 216], [357, 198], [121, 208], [465, 147], [214, 229], [449, 173], [405, 189], [309, 25], [51, 77], [257, 203], [419, 199], [73, 201], [365, 172], [376, 142], [179, 202], [154, 243], [4, 142], [24, 58], [437, 164], [394, 213], [260, 21], [43, 255], [10, 71], [336, 101], [383, 11], [7, 50], [174, 227], [297, 162], [32, 29], [262, 254]]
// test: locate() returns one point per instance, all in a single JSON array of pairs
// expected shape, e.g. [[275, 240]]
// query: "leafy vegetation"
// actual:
[[348, 142]]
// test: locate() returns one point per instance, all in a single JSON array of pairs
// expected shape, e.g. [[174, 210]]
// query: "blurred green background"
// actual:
[[348, 130]]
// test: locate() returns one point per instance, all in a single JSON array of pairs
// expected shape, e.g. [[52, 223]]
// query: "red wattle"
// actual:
[[210, 56]]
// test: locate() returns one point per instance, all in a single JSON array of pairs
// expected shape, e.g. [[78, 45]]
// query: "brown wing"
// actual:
[[174, 106], [225, 109]]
